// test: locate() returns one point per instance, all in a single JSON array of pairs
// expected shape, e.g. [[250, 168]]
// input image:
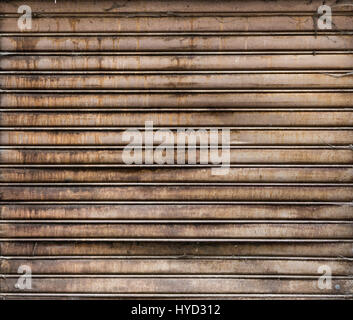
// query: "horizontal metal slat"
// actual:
[[108, 157], [176, 100], [176, 119], [179, 62], [176, 43], [176, 175], [181, 249], [168, 193], [176, 81], [174, 24], [132, 285], [177, 211], [175, 231], [170, 266], [307, 214], [270, 136], [173, 7]]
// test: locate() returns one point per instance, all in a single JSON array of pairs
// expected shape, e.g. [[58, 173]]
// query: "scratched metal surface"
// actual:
[[91, 226]]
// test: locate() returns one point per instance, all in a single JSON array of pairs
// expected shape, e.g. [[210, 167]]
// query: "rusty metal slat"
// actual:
[[173, 24], [176, 99], [177, 174], [175, 63], [183, 267], [176, 43], [269, 136], [176, 81], [166, 119], [175, 193], [178, 230], [176, 211], [186, 249], [163, 15], [171, 7], [132, 285], [27, 157]]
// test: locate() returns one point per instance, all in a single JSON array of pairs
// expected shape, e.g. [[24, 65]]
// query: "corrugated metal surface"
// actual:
[[90, 225]]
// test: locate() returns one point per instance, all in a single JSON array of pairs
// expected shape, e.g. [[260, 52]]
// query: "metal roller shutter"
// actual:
[[90, 225]]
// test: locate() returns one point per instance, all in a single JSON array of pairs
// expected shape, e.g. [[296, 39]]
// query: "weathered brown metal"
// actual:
[[167, 42], [174, 231], [200, 212], [238, 137], [161, 7], [175, 24], [237, 156], [164, 266], [177, 249], [180, 285], [176, 62], [92, 226], [176, 81], [176, 174], [177, 99], [177, 119], [339, 192]]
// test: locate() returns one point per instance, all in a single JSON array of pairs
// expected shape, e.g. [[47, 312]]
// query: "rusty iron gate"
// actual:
[[76, 75]]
